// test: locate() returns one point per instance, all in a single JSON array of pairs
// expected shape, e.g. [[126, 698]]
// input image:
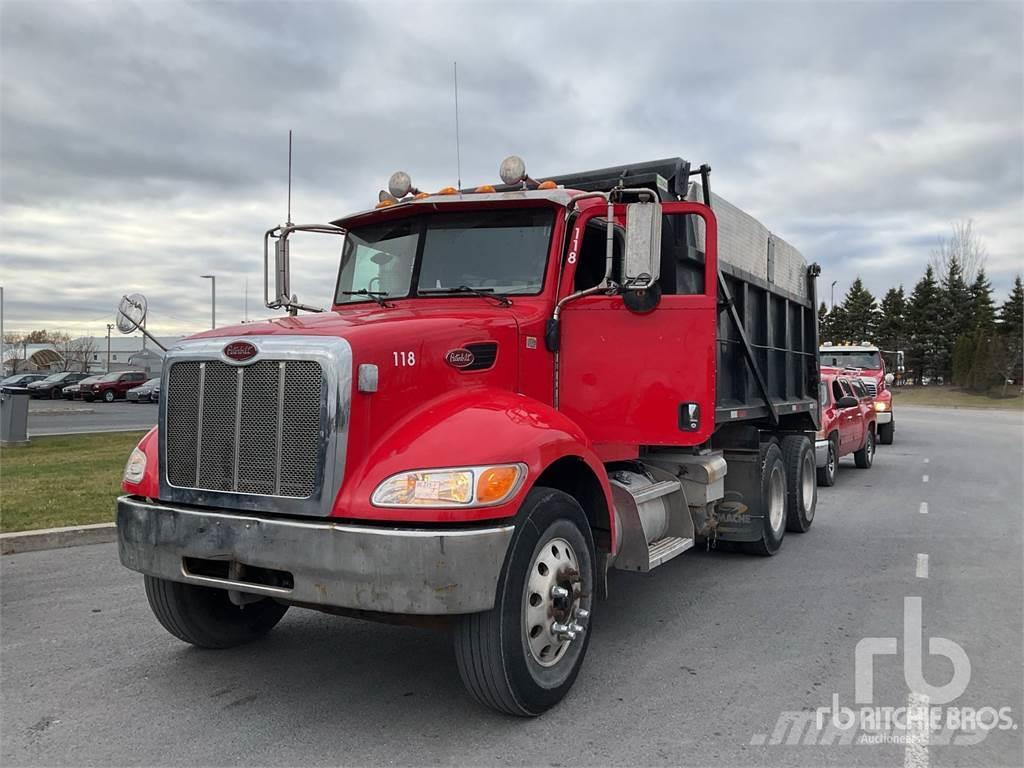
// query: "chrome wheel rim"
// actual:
[[553, 615], [776, 499], [807, 483], [831, 460]]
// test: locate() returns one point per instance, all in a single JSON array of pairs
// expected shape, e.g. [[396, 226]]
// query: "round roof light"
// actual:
[[400, 184], [385, 196], [512, 170]]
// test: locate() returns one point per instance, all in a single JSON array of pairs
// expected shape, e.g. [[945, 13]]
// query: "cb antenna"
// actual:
[[289, 177], [458, 154]]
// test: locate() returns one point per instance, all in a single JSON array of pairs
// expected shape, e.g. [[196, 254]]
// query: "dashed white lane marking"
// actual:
[[923, 508], [924, 478], [915, 753], [922, 566]]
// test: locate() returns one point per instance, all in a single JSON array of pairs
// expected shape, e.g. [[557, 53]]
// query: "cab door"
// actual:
[[852, 430], [633, 378]]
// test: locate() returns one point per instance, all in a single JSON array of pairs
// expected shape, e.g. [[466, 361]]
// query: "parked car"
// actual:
[[147, 393], [113, 386], [848, 424], [19, 382], [74, 391], [53, 386]]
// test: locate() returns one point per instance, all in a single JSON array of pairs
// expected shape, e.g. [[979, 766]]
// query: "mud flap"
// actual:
[[740, 513]]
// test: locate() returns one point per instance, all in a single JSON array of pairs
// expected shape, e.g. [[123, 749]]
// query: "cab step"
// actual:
[[663, 550]]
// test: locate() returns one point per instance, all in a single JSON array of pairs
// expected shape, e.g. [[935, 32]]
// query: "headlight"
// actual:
[[881, 405], [135, 468], [456, 487]]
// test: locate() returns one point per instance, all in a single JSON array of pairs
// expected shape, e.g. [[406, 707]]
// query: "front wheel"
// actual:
[[801, 485], [108, 396], [865, 457], [886, 432], [827, 474], [206, 617], [522, 656]]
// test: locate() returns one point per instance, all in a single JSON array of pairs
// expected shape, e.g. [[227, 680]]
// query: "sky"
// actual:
[[145, 144]]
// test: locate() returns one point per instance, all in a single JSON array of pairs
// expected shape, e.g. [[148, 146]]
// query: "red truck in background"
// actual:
[[848, 423], [516, 388], [868, 363]]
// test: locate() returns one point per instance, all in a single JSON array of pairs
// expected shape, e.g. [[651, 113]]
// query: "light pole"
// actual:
[[110, 327], [213, 299], [833, 294]]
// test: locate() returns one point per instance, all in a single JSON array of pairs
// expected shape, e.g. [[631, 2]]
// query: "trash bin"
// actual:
[[13, 418]]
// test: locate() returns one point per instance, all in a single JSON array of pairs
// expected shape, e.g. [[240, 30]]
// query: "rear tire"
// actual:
[[886, 432], [827, 474], [773, 502], [865, 457], [510, 658], [801, 483], [206, 617]]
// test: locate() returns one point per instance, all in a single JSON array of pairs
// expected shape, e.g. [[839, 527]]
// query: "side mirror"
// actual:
[[889, 378], [642, 266], [846, 402]]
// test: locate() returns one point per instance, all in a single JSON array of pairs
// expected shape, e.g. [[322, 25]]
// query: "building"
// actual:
[[87, 353]]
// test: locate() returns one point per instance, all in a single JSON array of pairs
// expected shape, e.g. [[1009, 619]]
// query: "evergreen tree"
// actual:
[[892, 319], [956, 316], [861, 313], [924, 332], [1011, 314], [983, 310], [824, 324], [1009, 351]]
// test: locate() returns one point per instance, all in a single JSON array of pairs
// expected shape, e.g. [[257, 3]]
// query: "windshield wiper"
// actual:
[[377, 296], [487, 293]]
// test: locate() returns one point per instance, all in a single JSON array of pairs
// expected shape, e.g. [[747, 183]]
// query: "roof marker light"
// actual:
[[485, 188], [547, 185], [447, 191]]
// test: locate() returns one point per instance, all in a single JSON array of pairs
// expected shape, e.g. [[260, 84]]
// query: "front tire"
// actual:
[[801, 483], [827, 474], [886, 432], [865, 457], [773, 502], [206, 617], [518, 657], [108, 396]]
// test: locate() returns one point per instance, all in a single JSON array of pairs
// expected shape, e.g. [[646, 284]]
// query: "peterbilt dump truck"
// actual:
[[516, 389]]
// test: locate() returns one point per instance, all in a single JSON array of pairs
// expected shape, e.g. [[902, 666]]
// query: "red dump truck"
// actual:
[[516, 388]]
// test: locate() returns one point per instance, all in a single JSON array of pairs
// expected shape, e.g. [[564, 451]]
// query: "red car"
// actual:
[[864, 362], [848, 424], [113, 386]]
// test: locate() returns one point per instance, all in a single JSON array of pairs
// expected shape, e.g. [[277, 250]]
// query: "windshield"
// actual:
[[111, 376], [500, 251], [839, 359], [54, 377]]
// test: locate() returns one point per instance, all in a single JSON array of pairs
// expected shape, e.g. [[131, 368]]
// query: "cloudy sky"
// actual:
[[144, 144]]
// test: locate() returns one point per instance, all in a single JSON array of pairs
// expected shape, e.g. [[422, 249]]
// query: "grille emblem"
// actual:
[[459, 358], [240, 351]]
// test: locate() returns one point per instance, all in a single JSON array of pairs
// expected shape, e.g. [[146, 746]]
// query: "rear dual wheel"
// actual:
[[522, 656], [801, 482], [773, 502]]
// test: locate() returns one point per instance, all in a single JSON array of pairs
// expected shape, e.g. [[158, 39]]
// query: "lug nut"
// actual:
[[575, 628], [559, 592], [559, 629], [583, 613]]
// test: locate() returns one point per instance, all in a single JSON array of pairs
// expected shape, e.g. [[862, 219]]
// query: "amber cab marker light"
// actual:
[[547, 185], [495, 484], [447, 191], [384, 203], [485, 188]]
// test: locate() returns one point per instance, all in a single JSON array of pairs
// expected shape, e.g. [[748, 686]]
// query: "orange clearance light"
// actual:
[[495, 483], [447, 191], [484, 188], [421, 195], [384, 203], [547, 185]]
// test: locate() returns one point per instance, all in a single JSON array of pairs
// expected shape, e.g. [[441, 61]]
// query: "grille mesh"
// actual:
[[246, 443]]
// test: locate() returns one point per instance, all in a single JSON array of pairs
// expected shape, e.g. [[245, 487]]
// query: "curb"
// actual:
[[57, 538]]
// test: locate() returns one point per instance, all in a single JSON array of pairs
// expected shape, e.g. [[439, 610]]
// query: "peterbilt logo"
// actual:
[[459, 358], [240, 351]]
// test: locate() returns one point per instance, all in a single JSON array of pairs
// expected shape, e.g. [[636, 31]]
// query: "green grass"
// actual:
[[952, 397], [58, 481]]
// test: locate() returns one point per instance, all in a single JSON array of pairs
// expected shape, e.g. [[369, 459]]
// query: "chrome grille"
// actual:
[[870, 386], [251, 429]]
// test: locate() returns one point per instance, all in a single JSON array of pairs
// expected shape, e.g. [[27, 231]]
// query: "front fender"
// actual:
[[464, 428]]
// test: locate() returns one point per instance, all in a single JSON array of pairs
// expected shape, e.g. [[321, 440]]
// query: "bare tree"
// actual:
[[76, 352], [14, 342], [966, 246]]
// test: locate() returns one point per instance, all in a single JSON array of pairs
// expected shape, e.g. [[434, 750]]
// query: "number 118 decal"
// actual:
[[404, 359]]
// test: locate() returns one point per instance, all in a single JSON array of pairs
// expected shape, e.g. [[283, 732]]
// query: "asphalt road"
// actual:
[[693, 664], [53, 417]]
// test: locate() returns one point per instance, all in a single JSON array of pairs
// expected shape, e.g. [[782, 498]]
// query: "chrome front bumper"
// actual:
[[820, 453], [391, 570], [883, 417]]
